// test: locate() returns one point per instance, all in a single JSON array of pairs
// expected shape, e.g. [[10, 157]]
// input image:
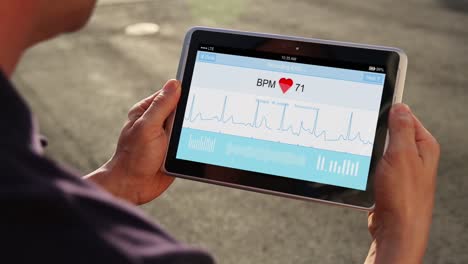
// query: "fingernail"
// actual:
[[171, 86], [401, 109]]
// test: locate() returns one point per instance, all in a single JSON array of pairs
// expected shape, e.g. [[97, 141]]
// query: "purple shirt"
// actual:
[[50, 215]]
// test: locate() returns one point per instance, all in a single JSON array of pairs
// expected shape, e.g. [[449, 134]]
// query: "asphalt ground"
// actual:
[[82, 85]]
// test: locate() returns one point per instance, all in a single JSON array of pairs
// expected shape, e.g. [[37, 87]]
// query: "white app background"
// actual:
[[330, 114]]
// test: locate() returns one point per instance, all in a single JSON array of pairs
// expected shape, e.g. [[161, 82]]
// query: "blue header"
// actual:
[[291, 67]]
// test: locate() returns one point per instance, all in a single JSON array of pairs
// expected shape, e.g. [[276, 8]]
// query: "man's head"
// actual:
[[53, 17], [24, 23]]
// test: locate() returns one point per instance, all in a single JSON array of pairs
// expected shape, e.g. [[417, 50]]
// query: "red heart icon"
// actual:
[[285, 84]]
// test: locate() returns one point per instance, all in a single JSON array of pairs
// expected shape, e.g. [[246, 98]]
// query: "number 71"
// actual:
[[299, 87]]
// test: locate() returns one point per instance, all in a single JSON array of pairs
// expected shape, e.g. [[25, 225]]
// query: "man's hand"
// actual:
[[133, 173], [404, 191]]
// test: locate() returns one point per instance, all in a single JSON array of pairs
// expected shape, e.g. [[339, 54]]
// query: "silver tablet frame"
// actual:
[[398, 96]]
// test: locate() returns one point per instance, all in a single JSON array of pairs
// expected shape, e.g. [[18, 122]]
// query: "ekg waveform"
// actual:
[[260, 121]]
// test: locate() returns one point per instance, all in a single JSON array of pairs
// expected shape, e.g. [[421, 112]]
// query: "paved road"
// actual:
[[82, 85]]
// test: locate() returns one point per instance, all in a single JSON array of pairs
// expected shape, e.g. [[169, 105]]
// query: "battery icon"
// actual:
[[371, 68]]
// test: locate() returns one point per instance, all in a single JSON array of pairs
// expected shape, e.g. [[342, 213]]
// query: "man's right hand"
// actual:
[[404, 191]]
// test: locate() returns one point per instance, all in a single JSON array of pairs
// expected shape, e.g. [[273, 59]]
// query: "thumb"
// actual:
[[401, 130], [163, 104]]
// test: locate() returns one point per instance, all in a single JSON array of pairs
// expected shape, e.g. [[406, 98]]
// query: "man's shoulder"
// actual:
[[48, 213]]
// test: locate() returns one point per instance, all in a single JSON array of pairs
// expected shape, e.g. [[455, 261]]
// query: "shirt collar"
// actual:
[[17, 126]]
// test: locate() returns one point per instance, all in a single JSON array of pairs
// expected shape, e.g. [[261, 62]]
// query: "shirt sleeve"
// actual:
[[49, 215]]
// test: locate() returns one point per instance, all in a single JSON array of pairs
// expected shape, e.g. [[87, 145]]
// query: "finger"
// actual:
[[139, 108], [163, 104], [427, 145], [422, 134], [401, 130]]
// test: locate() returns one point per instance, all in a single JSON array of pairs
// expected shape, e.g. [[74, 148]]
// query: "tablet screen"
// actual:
[[282, 116]]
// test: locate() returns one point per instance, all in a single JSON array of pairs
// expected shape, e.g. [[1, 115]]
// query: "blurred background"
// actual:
[[82, 85]]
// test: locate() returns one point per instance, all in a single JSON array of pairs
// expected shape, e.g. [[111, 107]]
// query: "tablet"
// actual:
[[295, 117]]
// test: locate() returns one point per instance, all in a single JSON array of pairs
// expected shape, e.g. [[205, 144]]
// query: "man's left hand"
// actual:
[[134, 172]]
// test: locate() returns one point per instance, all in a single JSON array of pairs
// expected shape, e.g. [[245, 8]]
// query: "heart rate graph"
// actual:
[[284, 121]]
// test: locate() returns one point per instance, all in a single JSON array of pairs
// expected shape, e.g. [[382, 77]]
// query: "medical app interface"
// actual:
[[282, 117]]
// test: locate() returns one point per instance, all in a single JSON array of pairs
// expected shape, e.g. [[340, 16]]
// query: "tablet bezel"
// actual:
[[394, 61]]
